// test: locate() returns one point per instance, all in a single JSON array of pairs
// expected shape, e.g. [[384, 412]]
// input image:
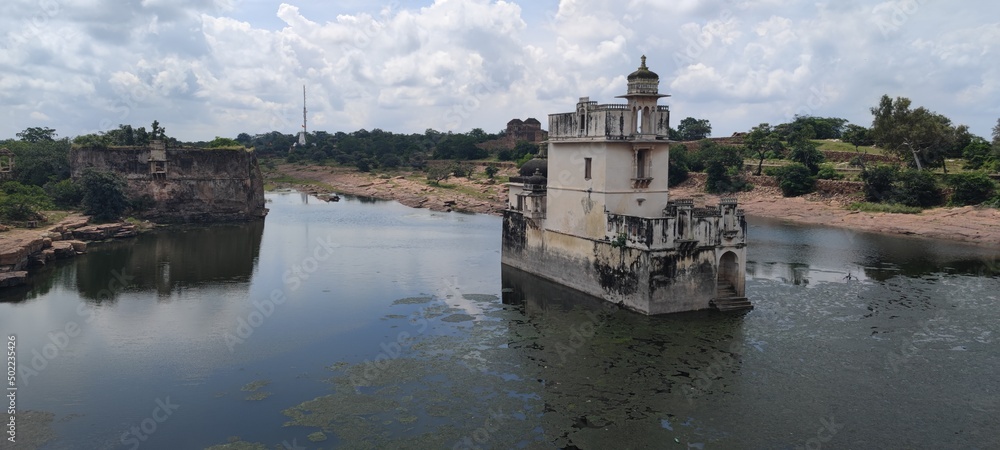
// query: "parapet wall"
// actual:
[[191, 185]]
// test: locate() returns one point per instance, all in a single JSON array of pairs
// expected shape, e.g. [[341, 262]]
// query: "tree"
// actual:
[[971, 188], [42, 161], [65, 194], [806, 152], [917, 188], [37, 134], [978, 154], [22, 202], [221, 142], [722, 167], [795, 179], [491, 170], [878, 182], [104, 195], [438, 173], [920, 133], [760, 142], [677, 170], [856, 135], [691, 129], [996, 134]]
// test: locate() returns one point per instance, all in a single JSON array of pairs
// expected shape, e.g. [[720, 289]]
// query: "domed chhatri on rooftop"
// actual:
[[539, 164], [609, 228], [643, 81]]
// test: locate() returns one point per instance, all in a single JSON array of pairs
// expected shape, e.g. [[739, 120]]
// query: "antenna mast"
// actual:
[[302, 134]]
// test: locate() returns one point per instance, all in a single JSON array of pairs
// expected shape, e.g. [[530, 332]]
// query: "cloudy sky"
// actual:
[[207, 68]]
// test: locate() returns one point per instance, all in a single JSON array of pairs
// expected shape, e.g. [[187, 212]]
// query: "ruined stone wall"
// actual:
[[197, 185], [656, 282]]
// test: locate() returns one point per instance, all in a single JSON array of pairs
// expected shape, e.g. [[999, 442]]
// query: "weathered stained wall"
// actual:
[[198, 185], [651, 282]]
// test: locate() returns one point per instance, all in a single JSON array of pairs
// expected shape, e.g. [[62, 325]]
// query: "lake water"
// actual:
[[365, 324]]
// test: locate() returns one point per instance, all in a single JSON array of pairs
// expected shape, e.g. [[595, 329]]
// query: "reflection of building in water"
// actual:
[[167, 261], [596, 215]]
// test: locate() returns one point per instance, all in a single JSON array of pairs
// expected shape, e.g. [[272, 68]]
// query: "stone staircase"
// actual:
[[727, 300]]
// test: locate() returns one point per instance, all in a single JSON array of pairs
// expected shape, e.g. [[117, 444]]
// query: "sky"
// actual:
[[206, 68]]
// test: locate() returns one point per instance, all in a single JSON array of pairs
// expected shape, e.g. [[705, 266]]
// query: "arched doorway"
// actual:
[[728, 279]]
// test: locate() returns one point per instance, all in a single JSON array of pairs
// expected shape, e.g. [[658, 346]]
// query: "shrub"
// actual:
[[491, 170], [894, 208], [795, 180], [917, 188], [22, 202], [828, 172], [878, 182], [65, 194], [723, 166], [104, 195], [971, 188], [677, 170], [806, 153]]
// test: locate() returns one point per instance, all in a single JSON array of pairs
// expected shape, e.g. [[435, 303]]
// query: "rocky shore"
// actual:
[[980, 226], [22, 250]]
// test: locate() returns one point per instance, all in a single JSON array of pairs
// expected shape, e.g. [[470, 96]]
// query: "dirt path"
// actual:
[[979, 226]]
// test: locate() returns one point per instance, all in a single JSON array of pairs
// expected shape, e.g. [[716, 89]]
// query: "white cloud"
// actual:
[[207, 68]]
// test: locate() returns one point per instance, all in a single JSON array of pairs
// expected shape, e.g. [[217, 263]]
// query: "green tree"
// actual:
[[221, 142], [919, 133], [978, 154], [104, 195], [22, 202], [856, 135], [878, 182], [807, 153], [996, 135], [37, 163], [917, 188], [491, 170], [691, 129], [723, 167], [795, 179], [37, 134], [65, 194], [971, 188], [677, 170], [760, 142]]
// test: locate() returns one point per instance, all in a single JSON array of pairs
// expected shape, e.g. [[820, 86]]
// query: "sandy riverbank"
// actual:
[[979, 226]]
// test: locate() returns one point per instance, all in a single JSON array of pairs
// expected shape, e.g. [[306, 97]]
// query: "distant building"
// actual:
[[596, 216], [529, 130]]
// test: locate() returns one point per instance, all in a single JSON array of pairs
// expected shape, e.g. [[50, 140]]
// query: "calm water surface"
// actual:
[[366, 324]]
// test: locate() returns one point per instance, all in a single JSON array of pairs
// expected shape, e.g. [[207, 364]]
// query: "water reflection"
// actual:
[[803, 254]]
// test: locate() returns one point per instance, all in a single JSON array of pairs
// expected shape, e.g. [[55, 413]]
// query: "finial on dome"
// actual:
[[643, 65]]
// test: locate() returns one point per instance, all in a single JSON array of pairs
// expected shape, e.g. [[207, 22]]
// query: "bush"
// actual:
[[828, 172], [879, 181], [723, 166], [677, 170], [917, 188], [971, 188], [491, 170], [104, 195], [894, 208], [22, 202], [795, 180], [65, 194], [505, 155], [806, 153]]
